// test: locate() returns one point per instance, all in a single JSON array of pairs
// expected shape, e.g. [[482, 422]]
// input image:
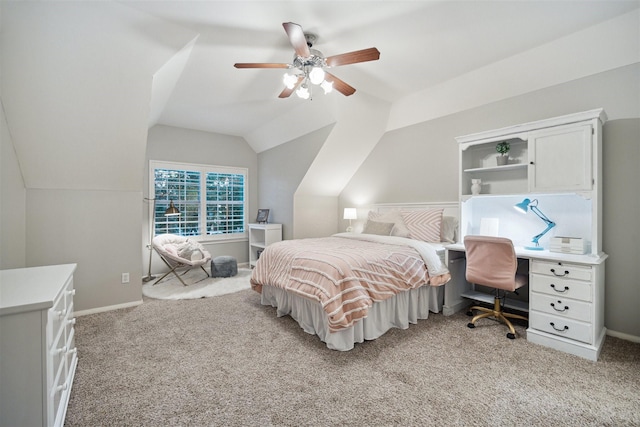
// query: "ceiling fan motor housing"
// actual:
[[315, 60], [310, 38]]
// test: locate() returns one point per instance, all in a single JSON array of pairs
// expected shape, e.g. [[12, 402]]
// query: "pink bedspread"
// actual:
[[345, 275]]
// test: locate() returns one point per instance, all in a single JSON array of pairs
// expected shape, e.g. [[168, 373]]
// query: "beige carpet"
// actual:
[[198, 285], [229, 361]]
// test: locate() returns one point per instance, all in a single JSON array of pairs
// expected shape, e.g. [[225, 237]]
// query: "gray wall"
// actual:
[[621, 232], [13, 203], [76, 117], [94, 230], [190, 146], [419, 163], [281, 169]]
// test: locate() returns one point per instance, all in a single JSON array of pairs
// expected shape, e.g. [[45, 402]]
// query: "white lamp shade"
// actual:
[[350, 213], [327, 86], [303, 92], [290, 80], [316, 76]]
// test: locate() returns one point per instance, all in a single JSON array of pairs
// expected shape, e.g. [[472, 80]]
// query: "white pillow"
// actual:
[[188, 248], [449, 231]]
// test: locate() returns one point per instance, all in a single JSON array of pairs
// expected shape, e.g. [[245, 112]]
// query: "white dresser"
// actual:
[[566, 309], [38, 356]]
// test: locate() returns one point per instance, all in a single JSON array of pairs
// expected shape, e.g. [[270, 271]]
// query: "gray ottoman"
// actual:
[[224, 266]]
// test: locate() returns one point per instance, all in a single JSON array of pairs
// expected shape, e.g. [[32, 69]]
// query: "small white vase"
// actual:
[[476, 186]]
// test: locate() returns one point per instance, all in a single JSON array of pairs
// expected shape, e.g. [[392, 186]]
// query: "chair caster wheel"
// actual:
[[511, 336], [470, 325], [469, 313]]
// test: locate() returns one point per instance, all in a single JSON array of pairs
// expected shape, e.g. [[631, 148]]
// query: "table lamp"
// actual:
[[523, 206], [350, 213]]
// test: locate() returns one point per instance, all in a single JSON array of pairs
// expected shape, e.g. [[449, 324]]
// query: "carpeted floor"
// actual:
[[230, 361]]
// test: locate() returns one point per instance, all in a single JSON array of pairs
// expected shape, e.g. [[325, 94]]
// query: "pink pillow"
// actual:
[[424, 224]]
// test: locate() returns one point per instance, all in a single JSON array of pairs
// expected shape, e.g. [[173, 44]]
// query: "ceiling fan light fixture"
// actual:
[[316, 76], [327, 86], [303, 92], [289, 80], [308, 65]]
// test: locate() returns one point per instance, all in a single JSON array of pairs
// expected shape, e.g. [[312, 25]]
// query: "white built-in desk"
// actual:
[[566, 298]]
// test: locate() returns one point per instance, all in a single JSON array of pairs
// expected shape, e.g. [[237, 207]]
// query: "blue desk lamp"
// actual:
[[523, 206]]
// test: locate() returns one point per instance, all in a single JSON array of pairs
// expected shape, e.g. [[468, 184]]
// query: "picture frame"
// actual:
[[263, 216]]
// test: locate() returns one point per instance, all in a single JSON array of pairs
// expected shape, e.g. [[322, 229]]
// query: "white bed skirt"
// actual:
[[396, 312]]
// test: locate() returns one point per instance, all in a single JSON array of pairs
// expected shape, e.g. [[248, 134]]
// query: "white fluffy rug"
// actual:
[[198, 286]]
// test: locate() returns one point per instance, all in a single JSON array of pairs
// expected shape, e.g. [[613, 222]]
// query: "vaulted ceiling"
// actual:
[[82, 81], [423, 44]]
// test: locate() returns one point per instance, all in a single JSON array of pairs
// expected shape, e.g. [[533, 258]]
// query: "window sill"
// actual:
[[210, 240]]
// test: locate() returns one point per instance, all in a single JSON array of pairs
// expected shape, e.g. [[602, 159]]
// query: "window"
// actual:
[[211, 199]]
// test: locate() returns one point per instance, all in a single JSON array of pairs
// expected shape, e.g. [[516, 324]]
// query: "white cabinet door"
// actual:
[[560, 159]]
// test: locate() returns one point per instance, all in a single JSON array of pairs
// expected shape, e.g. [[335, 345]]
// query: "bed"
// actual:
[[352, 287]]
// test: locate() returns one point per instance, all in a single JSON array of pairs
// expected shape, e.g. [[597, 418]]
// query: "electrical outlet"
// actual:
[[125, 277]]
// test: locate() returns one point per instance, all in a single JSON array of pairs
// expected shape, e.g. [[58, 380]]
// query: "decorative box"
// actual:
[[568, 245]]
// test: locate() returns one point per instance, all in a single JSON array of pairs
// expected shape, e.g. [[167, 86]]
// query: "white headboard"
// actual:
[[450, 208]]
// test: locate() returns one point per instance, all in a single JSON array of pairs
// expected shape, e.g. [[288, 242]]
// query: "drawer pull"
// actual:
[[566, 328], [566, 307], [60, 388], [59, 350], [61, 313], [71, 321], [566, 288], [566, 272]]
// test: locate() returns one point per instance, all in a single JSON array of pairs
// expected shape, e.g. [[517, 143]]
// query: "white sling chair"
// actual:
[[180, 252]]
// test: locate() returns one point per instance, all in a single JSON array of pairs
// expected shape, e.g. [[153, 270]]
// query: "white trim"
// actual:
[[450, 208], [623, 336], [520, 131], [107, 308]]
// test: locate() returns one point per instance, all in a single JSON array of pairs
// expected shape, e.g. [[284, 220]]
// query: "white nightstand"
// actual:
[[261, 236]]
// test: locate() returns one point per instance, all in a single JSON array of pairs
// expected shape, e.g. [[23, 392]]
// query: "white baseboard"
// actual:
[[107, 308], [623, 336]]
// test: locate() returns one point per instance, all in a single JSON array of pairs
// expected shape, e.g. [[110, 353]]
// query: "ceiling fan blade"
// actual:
[[297, 39], [340, 85], [287, 92], [259, 65], [364, 55]]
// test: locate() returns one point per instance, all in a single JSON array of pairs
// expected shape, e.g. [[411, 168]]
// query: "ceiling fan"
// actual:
[[309, 66]]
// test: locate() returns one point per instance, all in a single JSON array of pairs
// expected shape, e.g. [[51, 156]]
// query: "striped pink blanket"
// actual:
[[347, 273]]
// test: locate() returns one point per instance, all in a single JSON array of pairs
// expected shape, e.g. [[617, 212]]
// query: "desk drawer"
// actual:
[[562, 270], [561, 307], [568, 328], [565, 288]]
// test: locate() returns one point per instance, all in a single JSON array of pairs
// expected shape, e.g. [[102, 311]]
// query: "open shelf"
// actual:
[[261, 236], [488, 298], [498, 168]]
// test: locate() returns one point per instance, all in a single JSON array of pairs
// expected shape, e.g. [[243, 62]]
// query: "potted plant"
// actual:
[[503, 148]]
